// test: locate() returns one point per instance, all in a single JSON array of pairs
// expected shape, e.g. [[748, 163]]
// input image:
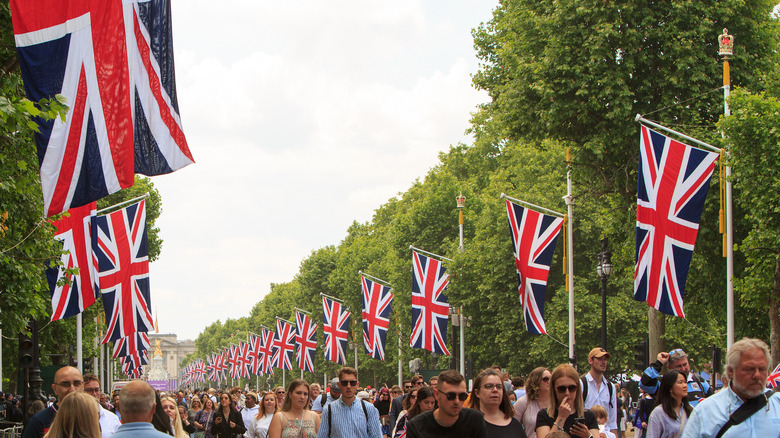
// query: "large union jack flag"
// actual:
[[234, 361], [533, 242], [335, 325], [265, 356], [430, 308], [377, 304], [112, 60], [123, 261], [305, 343], [283, 345], [78, 236], [131, 344], [673, 182]]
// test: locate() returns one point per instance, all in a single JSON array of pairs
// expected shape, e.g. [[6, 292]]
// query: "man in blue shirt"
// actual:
[[348, 416], [676, 359], [138, 406], [747, 366], [66, 380]]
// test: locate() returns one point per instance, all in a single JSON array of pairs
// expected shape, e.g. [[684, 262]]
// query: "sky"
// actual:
[[302, 116]]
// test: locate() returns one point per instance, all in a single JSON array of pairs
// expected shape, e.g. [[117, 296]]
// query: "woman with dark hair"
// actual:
[[382, 404], [423, 401], [537, 394], [227, 421], [204, 419], [406, 405], [672, 409], [295, 418], [265, 413], [489, 396], [566, 410]]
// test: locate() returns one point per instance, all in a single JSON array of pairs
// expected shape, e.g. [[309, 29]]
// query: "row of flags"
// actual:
[[112, 257]]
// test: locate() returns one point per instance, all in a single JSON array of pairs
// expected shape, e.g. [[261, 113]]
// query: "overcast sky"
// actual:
[[302, 117]]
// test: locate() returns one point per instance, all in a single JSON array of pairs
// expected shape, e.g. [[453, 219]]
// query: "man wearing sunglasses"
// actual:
[[450, 418], [66, 380], [677, 359], [347, 416]]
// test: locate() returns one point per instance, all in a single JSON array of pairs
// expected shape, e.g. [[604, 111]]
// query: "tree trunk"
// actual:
[[656, 323], [774, 319]]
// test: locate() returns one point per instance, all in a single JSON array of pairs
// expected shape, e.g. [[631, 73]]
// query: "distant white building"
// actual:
[[173, 351]]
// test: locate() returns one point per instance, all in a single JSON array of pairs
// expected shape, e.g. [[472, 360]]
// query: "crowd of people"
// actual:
[[675, 402]]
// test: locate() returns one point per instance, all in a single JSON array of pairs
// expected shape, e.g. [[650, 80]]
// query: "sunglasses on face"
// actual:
[[349, 383], [546, 379], [280, 392], [563, 389], [408, 387], [491, 386], [462, 396]]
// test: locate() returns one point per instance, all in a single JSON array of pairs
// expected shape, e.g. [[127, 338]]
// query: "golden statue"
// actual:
[[157, 350]]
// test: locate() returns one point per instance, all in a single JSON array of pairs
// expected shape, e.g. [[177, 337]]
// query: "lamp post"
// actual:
[[604, 269], [460, 202]]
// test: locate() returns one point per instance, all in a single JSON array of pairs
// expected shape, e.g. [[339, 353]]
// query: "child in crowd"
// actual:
[[601, 417]]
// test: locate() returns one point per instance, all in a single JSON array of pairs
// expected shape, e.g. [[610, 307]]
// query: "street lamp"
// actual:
[[604, 269]]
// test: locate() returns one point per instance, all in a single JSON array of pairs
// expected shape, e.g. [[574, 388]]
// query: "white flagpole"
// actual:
[[79, 346], [726, 44], [570, 268]]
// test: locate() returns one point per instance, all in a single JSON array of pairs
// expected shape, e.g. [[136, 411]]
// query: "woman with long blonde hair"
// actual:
[[169, 406], [566, 409], [265, 413], [77, 417]]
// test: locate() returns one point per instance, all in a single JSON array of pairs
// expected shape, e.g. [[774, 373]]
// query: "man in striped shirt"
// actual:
[[348, 416]]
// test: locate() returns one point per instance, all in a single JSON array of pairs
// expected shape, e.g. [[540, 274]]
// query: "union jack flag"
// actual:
[[244, 361], [112, 60], [123, 261], [253, 355], [335, 325], [131, 344], [200, 370], [283, 345], [377, 304], [774, 378], [673, 183], [430, 308], [213, 368], [533, 242], [265, 355], [135, 360], [78, 236], [234, 362], [305, 343]]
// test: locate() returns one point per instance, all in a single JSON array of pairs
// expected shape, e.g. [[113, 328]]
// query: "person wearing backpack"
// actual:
[[597, 390], [677, 359], [744, 409], [349, 416]]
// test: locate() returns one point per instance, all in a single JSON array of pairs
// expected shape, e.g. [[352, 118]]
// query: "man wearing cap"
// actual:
[[327, 398], [250, 408], [596, 389], [677, 359]]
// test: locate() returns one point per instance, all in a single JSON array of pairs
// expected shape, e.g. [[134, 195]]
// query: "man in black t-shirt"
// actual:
[[450, 419]]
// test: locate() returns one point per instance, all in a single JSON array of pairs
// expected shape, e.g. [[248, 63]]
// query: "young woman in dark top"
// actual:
[[382, 404], [489, 396], [227, 421], [566, 406]]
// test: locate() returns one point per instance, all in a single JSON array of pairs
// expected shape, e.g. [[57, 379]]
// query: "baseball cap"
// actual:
[[334, 385], [598, 352]]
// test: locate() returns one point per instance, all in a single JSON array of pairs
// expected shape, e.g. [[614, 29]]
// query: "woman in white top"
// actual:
[[671, 409], [260, 422], [535, 399]]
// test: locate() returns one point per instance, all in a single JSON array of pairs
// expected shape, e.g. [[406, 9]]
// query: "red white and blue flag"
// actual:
[[377, 304], [673, 183], [265, 356], [430, 308], [253, 355], [244, 361], [78, 236], [234, 362], [305, 343], [283, 345], [134, 361], [774, 378], [534, 236], [201, 370], [131, 344], [123, 262], [335, 325], [213, 368], [112, 60]]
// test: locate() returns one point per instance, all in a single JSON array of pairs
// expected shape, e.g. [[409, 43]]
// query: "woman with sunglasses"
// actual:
[[227, 421], [260, 423], [535, 399], [489, 396], [279, 391], [195, 407], [406, 404], [672, 409], [205, 417], [295, 419], [566, 410]]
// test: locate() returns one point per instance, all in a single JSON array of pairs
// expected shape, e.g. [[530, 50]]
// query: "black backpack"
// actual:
[[585, 390]]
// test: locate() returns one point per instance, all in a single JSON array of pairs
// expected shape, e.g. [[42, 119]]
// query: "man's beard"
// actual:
[[747, 392]]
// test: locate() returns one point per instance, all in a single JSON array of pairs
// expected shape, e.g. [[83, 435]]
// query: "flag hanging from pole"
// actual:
[[266, 350], [673, 182], [430, 307], [112, 61], [377, 304], [78, 236], [335, 325], [306, 345], [131, 344], [123, 260], [283, 345], [253, 355], [534, 236]]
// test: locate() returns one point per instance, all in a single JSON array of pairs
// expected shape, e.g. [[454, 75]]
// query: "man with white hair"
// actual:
[[743, 409]]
